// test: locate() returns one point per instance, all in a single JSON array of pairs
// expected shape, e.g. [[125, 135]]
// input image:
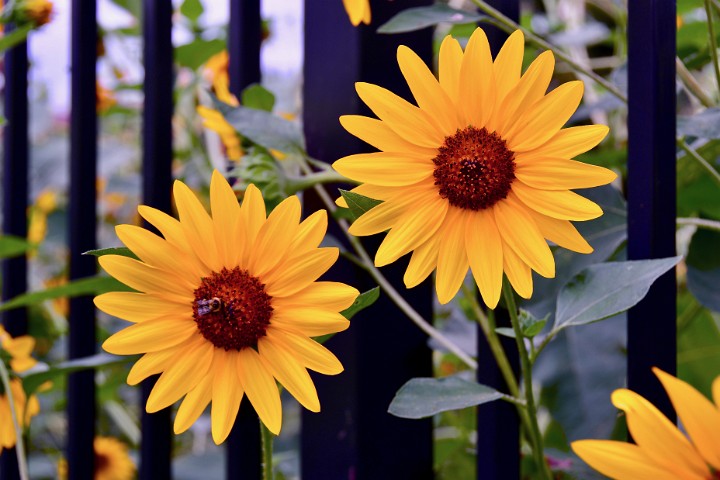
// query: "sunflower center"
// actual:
[[474, 169], [231, 309], [102, 462]]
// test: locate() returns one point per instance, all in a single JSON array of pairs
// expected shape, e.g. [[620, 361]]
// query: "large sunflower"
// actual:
[[226, 305], [661, 451], [479, 173]]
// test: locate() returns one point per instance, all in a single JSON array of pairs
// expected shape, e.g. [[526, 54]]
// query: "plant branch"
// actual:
[[693, 153], [691, 84], [266, 438], [713, 41], [19, 444], [700, 223]]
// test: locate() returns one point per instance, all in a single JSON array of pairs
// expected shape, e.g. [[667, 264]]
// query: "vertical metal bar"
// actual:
[[156, 444], [15, 201], [243, 453], [651, 190], [355, 436], [498, 447], [82, 224]]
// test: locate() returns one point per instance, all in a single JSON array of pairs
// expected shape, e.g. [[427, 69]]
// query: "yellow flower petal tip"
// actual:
[[482, 149], [358, 11], [189, 283]]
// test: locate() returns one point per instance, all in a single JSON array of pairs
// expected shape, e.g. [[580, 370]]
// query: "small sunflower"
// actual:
[[19, 350], [358, 11], [479, 174], [661, 451], [7, 428], [226, 305], [112, 461]]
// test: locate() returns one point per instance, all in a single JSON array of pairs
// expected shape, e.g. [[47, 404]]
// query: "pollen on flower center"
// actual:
[[231, 309], [474, 169]]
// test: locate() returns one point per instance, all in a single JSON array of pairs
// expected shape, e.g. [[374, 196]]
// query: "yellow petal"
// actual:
[[310, 321], [150, 336], [518, 230], [261, 389], [427, 91], [225, 217], [309, 352], [449, 63], [477, 81], [620, 460], [545, 118], [508, 64], [560, 174], [561, 232], [197, 225], [517, 271], [386, 169], [358, 11], [169, 227], [571, 142], [561, 204], [376, 133], [452, 258], [21, 346], [658, 437], [484, 249], [289, 373], [297, 275], [403, 118], [153, 363], [194, 405], [325, 295], [138, 307], [386, 215], [147, 279], [252, 217], [310, 233], [275, 236], [698, 415], [422, 262], [182, 376], [227, 393]]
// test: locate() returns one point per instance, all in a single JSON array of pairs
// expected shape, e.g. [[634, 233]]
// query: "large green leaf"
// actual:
[[264, 128], [603, 290], [122, 251], [363, 301], [258, 97], [421, 17], [358, 204], [41, 373], [192, 9], [83, 286], [12, 246], [197, 52], [424, 397]]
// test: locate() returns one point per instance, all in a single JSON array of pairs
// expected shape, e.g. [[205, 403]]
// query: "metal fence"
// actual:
[[354, 437]]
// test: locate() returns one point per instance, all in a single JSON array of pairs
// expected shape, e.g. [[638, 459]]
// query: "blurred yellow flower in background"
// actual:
[[38, 12], [112, 461], [7, 429], [20, 350], [104, 98], [358, 11], [661, 451]]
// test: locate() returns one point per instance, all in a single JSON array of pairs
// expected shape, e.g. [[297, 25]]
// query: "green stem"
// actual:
[[509, 26], [19, 445], [296, 184], [700, 223], [713, 41], [537, 440], [693, 153], [267, 451], [691, 84]]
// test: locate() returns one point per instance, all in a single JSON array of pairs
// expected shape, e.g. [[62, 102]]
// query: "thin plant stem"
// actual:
[[19, 445], [295, 184], [713, 41], [699, 222], [537, 441], [691, 84], [693, 153], [509, 26], [266, 437], [387, 287]]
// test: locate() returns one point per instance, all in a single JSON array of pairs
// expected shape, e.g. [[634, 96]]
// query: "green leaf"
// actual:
[[12, 246], [83, 286], [14, 37], [363, 301], [41, 373], [258, 97], [122, 251], [603, 290], [359, 204], [421, 17], [196, 53], [192, 9], [530, 325], [424, 397], [264, 128], [505, 332]]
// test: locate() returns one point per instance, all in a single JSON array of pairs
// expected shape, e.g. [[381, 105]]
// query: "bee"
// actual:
[[209, 306]]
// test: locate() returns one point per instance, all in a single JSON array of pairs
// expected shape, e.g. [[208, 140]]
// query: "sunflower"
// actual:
[[7, 428], [661, 451], [226, 304], [358, 11], [477, 175], [112, 461]]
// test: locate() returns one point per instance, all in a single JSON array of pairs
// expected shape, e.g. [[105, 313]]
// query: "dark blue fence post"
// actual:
[[651, 190], [354, 436], [15, 201], [243, 453], [81, 406], [498, 424], [157, 436]]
